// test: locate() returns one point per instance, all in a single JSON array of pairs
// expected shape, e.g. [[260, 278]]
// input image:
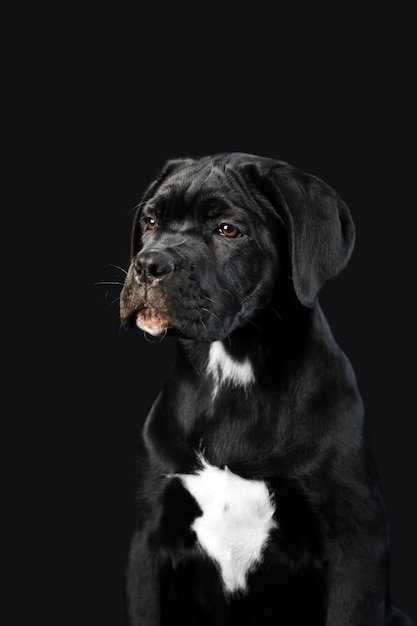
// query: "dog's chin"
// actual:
[[157, 322], [160, 328], [152, 323]]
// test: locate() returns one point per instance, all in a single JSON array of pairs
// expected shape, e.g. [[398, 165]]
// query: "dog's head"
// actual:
[[215, 237]]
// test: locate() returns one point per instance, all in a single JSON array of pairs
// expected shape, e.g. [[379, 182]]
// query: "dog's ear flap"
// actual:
[[320, 229], [168, 169]]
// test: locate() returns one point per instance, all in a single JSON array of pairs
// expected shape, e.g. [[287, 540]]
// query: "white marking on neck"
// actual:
[[236, 522], [223, 368]]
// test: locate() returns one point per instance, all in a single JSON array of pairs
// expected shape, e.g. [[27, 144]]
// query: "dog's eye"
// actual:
[[151, 223], [229, 230]]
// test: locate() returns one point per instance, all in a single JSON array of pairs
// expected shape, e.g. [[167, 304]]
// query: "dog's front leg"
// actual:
[[143, 599], [356, 585]]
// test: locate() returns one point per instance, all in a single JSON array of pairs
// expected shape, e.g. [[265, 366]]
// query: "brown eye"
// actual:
[[229, 230], [151, 223]]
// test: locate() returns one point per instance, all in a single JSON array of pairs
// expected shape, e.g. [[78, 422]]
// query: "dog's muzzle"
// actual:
[[149, 298]]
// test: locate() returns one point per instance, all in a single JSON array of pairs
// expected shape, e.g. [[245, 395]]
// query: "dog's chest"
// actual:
[[236, 521]]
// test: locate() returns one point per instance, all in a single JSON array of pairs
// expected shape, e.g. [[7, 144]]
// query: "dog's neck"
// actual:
[[269, 343], [213, 393]]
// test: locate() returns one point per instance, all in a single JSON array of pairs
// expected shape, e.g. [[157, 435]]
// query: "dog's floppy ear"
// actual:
[[168, 169], [321, 232]]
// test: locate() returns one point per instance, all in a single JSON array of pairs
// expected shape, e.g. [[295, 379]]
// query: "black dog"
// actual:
[[258, 501]]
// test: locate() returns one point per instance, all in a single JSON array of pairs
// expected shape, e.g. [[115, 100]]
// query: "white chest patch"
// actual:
[[224, 368], [236, 521]]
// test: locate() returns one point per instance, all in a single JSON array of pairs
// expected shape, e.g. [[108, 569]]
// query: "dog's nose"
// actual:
[[153, 264]]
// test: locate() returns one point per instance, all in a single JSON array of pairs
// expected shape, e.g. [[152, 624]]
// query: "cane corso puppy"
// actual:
[[258, 502]]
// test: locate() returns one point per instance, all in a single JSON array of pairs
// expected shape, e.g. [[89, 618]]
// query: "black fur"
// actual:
[[300, 427]]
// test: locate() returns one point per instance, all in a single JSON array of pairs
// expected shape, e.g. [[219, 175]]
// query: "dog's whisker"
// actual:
[[109, 282], [164, 334], [197, 371], [114, 301], [145, 297], [251, 322], [211, 313], [276, 313], [118, 268], [139, 204], [180, 243], [151, 339]]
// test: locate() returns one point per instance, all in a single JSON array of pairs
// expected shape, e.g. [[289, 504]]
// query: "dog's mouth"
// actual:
[[143, 307]]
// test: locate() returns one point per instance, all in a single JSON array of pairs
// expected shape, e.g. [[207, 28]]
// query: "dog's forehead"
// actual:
[[199, 181], [205, 190]]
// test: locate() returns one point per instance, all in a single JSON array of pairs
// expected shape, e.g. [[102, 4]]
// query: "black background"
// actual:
[[107, 97]]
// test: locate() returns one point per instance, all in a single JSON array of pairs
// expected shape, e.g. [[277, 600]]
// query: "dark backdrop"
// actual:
[[113, 94]]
